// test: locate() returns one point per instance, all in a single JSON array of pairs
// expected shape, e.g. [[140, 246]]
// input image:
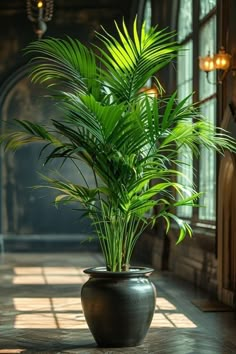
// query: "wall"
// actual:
[[23, 211]]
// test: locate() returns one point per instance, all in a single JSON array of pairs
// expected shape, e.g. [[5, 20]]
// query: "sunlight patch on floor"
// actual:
[[50, 321], [172, 318], [180, 320], [47, 304], [48, 275], [48, 270], [163, 304], [66, 313], [177, 320], [12, 351], [48, 279], [160, 320]]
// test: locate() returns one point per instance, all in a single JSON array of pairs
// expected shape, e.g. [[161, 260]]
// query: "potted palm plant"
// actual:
[[130, 142]]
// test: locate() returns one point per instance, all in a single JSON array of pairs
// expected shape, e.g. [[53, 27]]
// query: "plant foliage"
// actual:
[[129, 140]]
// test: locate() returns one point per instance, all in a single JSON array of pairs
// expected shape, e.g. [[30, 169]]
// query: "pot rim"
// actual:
[[132, 272]]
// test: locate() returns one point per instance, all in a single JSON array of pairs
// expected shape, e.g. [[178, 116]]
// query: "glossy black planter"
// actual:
[[118, 306]]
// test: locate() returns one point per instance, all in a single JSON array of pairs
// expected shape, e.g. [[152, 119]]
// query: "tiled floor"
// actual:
[[40, 311]]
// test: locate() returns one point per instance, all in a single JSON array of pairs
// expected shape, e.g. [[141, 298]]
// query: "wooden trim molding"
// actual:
[[226, 224]]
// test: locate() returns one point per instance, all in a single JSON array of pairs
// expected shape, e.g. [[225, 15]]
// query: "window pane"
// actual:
[[184, 83], [148, 14], [185, 19], [206, 6], [207, 44], [207, 183], [186, 168], [207, 163], [185, 66], [148, 21]]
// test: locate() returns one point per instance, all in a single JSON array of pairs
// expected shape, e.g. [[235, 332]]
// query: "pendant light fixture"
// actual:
[[39, 12]]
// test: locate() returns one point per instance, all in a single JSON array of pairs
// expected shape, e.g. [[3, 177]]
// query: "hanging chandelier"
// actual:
[[39, 12]]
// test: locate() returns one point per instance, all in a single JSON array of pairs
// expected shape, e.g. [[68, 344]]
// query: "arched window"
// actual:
[[197, 34]]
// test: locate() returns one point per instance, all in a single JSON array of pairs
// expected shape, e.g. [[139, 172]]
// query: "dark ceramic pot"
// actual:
[[118, 306]]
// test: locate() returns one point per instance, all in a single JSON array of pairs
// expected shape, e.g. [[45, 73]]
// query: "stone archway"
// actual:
[[25, 211]]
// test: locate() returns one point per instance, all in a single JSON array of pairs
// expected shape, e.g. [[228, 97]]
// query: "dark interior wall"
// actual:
[[25, 211], [78, 19], [226, 231]]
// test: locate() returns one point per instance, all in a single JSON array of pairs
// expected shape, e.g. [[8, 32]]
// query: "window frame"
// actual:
[[197, 24]]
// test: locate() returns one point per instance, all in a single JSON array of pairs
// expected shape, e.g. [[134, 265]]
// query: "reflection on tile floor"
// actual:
[[40, 310]]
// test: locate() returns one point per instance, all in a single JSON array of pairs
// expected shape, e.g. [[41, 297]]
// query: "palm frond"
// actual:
[[66, 64], [130, 62]]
